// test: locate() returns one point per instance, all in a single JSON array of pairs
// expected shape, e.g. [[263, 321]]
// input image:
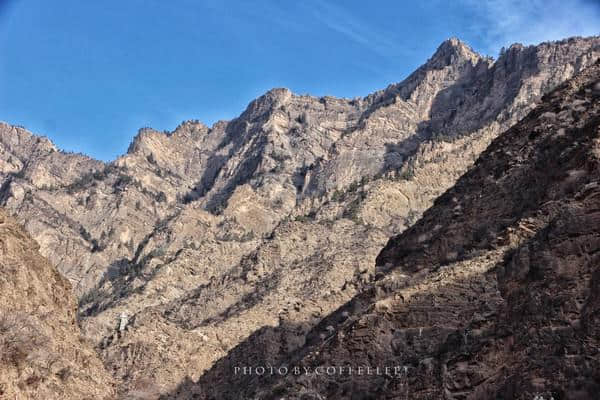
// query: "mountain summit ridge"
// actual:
[[450, 51], [492, 294], [207, 235], [453, 51]]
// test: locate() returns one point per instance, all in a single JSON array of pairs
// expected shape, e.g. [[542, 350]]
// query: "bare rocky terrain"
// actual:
[[493, 294], [203, 240], [42, 352]]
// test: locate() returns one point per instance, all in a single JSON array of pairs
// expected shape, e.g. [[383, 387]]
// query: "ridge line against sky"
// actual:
[[89, 75]]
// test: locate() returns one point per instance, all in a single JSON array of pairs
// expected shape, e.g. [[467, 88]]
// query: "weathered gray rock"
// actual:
[[492, 294], [210, 232], [42, 352]]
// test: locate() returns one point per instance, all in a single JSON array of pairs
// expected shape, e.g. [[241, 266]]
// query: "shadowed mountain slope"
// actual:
[[202, 236], [492, 294], [42, 352]]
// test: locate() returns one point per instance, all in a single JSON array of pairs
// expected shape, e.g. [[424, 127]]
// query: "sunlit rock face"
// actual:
[[206, 235], [492, 294], [42, 352]]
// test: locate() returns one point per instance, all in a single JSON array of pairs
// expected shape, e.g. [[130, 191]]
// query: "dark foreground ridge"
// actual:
[[205, 246], [493, 294], [42, 352]]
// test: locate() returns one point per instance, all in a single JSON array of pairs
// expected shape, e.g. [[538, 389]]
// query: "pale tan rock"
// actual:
[[500, 302], [42, 352], [218, 229]]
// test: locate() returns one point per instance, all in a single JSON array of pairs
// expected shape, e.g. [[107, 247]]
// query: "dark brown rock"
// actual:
[[511, 314]]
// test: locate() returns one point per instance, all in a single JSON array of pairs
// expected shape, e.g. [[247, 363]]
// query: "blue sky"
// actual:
[[89, 74]]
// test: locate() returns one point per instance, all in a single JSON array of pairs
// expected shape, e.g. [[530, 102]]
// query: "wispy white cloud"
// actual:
[[503, 22], [339, 20]]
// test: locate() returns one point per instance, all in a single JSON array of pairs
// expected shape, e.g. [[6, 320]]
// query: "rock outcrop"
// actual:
[[205, 236], [42, 352], [492, 294]]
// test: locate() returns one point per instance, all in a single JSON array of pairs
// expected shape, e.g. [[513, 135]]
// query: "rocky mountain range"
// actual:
[[202, 245], [493, 294]]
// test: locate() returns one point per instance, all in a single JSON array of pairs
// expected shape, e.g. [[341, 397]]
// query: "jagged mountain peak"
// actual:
[[190, 125], [19, 137], [453, 52], [147, 137], [269, 101], [507, 281], [138, 140], [295, 183], [279, 93]]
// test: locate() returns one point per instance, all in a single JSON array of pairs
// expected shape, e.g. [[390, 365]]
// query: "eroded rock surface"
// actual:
[[206, 235], [42, 352], [492, 294]]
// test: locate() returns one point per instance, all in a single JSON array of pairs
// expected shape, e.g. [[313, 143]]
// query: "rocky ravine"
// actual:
[[42, 352], [493, 294], [203, 236]]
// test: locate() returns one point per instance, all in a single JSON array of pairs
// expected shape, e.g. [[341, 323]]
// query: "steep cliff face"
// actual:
[[203, 236], [492, 294], [42, 352]]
